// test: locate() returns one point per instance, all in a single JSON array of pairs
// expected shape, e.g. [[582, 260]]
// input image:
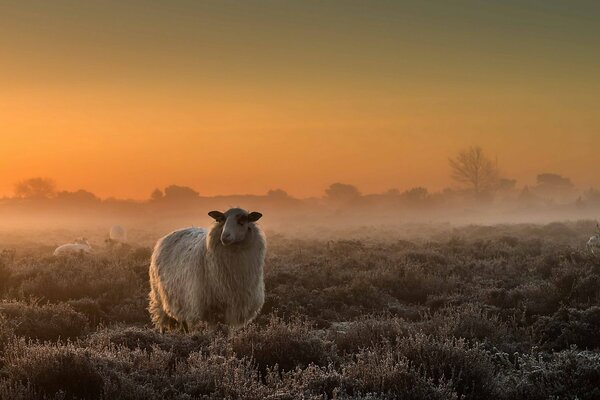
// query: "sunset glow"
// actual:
[[241, 97]]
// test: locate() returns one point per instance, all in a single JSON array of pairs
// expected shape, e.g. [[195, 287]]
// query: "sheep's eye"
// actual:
[[242, 221]]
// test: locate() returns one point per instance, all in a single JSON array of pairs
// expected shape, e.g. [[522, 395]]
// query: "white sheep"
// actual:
[[117, 237], [210, 275], [593, 243], [79, 246]]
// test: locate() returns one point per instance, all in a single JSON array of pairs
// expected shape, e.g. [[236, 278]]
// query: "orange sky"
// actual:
[[228, 97]]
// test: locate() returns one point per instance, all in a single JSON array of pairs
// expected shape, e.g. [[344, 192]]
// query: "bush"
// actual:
[[147, 339], [386, 371], [63, 279], [470, 369], [569, 327], [541, 298], [44, 322], [286, 344], [371, 374], [5, 275], [90, 308], [51, 370], [367, 332], [570, 374], [7, 332]]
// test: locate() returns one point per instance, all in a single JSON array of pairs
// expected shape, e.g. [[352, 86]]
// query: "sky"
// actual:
[[121, 97]]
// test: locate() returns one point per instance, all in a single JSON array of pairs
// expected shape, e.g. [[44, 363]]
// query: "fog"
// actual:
[[342, 211]]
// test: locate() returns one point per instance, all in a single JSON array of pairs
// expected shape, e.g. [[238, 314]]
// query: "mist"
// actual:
[[342, 211]]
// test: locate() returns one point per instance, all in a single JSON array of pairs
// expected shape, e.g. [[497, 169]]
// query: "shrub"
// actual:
[[147, 339], [469, 321], [52, 370], [569, 327], [570, 374], [64, 279], [223, 377], [5, 275], [7, 332], [15, 390], [367, 332], [285, 344], [469, 368], [410, 283], [385, 371], [540, 298], [587, 290], [44, 322]]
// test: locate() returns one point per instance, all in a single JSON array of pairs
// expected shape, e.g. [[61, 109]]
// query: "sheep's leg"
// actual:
[[159, 317], [185, 327]]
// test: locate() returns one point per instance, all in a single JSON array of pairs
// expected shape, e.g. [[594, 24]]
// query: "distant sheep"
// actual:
[[593, 243], [77, 247], [117, 236], [210, 275]]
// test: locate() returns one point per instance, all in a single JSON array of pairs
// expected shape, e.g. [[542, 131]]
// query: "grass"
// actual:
[[486, 312]]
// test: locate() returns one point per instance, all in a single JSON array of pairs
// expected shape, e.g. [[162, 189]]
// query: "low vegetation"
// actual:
[[478, 313]]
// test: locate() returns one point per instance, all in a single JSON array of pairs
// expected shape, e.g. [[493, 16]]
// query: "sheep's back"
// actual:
[[72, 248], [181, 247], [177, 271]]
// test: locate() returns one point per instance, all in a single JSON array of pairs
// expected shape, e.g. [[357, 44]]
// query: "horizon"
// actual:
[[120, 98], [574, 189]]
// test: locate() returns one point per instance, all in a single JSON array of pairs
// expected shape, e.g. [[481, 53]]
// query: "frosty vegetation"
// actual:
[[479, 312]]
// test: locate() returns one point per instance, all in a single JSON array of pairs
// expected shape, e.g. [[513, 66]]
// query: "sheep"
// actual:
[[593, 243], [79, 246], [212, 276], [117, 237]]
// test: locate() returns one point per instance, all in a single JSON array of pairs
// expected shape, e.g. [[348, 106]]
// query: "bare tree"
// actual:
[[35, 188], [472, 167]]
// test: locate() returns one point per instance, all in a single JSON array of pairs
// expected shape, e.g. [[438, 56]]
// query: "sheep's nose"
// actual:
[[226, 238]]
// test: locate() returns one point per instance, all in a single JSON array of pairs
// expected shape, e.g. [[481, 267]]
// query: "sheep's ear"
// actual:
[[217, 215], [254, 216]]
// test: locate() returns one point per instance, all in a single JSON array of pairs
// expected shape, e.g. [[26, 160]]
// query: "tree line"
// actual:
[[476, 175]]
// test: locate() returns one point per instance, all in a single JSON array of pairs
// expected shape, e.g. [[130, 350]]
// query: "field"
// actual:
[[478, 312]]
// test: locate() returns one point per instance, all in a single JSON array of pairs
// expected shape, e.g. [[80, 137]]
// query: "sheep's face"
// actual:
[[236, 224]]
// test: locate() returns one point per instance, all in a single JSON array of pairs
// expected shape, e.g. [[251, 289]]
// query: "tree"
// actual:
[[554, 181], [176, 193], [554, 185], [341, 192], [278, 194], [79, 196], [507, 185], [35, 188], [472, 167], [157, 194], [417, 194]]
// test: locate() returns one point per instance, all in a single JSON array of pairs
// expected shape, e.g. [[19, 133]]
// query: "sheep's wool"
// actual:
[[194, 278]]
